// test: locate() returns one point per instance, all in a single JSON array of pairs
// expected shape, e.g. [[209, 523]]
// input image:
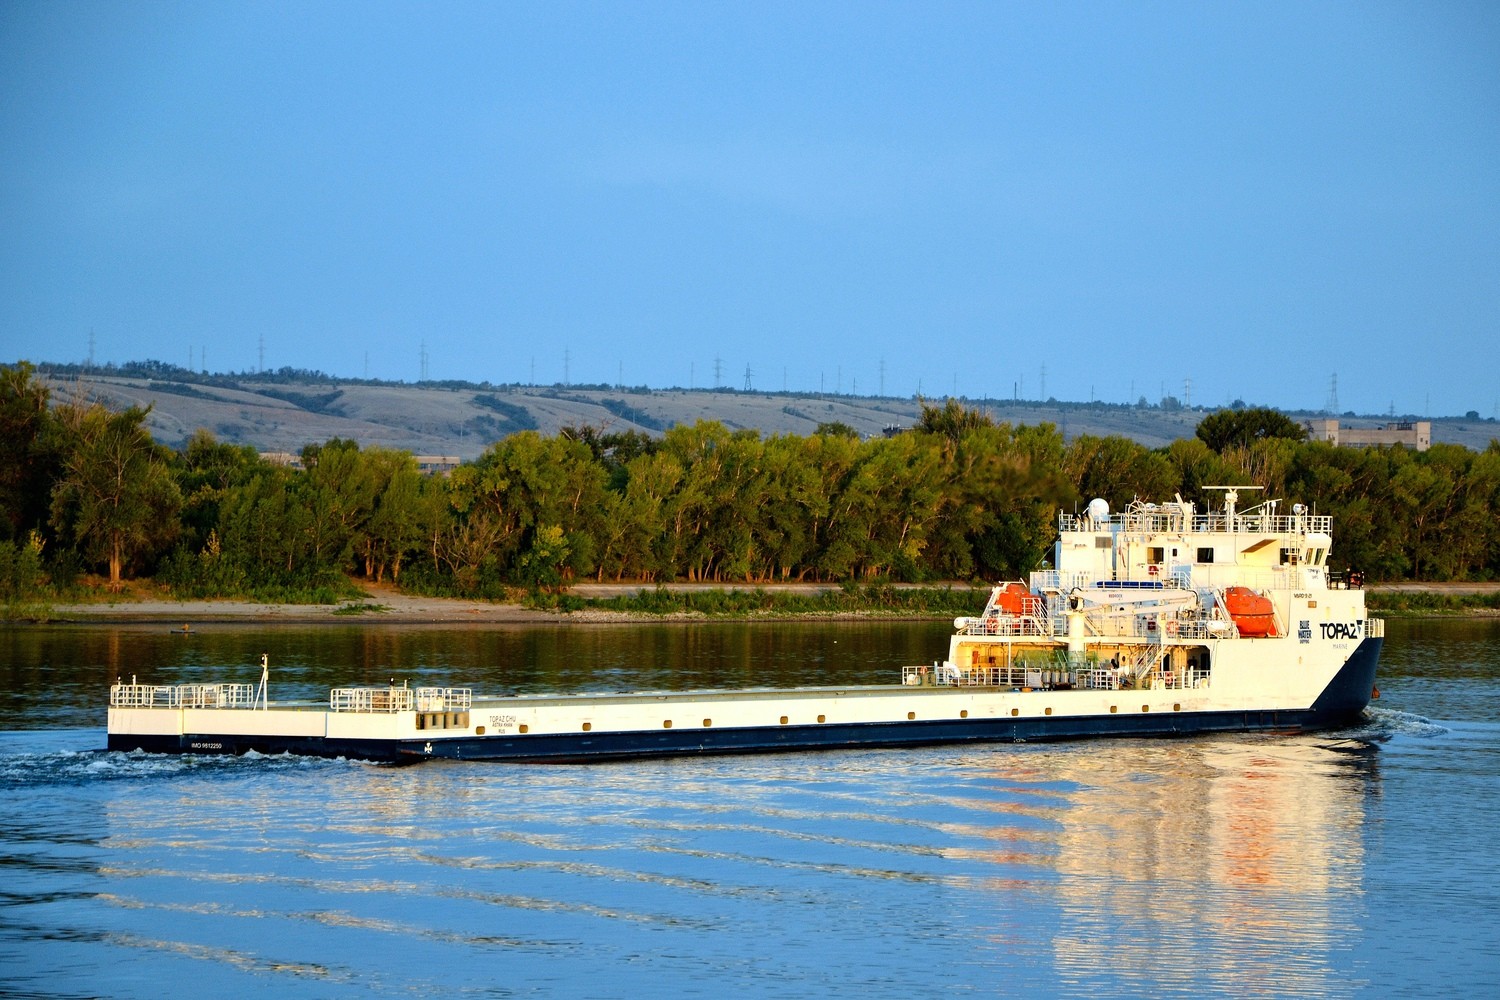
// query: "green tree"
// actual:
[[116, 500], [1119, 470], [30, 451], [1225, 429], [395, 527]]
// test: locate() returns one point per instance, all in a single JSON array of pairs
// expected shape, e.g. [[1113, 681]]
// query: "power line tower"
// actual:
[[748, 386], [422, 361], [1187, 394], [91, 351], [882, 377], [1042, 391], [260, 364], [718, 371], [1332, 405], [567, 365]]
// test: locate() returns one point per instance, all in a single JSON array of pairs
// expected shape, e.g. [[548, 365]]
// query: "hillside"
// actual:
[[430, 419]]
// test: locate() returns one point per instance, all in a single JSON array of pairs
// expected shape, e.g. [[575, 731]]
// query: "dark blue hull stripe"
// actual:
[[1340, 703]]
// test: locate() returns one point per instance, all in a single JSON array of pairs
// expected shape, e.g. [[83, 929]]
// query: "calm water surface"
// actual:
[[1357, 863]]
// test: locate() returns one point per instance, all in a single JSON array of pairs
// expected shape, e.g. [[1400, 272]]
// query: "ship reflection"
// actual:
[[1229, 865]]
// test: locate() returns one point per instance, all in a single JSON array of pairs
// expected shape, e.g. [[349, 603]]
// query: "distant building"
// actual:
[[437, 465], [427, 465], [289, 459], [1416, 434]]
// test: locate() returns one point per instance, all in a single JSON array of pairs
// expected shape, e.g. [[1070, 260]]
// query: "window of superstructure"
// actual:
[[1156, 554], [1289, 557], [1206, 555]]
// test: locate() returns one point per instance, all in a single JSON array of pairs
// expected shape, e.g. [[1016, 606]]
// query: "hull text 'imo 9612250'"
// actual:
[[1155, 621]]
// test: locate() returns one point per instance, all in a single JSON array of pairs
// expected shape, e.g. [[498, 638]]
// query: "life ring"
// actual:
[[1171, 627], [1166, 676]]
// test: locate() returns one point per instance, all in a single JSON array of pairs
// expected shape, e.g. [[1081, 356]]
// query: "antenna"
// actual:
[[91, 349], [882, 376], [1042, 392], [567, 365], [1187, 393]]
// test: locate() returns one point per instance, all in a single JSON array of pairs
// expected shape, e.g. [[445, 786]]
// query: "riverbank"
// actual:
[[385, 605]]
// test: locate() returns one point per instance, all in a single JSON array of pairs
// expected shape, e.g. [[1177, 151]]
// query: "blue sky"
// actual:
[[1106, 200]]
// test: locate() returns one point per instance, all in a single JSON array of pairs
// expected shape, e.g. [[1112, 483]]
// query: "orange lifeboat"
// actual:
[[1251, 612], [1013, 599]]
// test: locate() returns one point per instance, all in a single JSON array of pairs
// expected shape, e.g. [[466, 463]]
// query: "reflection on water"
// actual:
[[1232, 864], [1227, 866]]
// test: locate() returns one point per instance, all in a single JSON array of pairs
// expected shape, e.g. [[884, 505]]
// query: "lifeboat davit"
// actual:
[[1013, 599], [1251, 612]]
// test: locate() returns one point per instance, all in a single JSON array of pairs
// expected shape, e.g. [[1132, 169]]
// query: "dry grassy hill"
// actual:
[[433, 420]]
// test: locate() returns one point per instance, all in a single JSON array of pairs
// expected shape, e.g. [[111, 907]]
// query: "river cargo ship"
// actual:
[[1156, 621]]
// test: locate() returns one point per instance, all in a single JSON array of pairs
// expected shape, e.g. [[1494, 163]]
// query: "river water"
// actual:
[[1358, 863]]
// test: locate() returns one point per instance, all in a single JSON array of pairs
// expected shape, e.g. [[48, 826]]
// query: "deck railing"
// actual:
[[1170, 520], [444, 699], [400, 699], [182, 695]]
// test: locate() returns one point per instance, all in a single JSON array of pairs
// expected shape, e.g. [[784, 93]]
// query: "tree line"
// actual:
[[958, 496]]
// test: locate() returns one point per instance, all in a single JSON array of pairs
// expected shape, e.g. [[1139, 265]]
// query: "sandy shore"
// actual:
[[384, 605], [392, 607]]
